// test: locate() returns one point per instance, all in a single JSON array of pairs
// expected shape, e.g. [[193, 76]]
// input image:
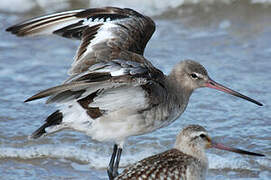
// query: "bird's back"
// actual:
[[171, 165]]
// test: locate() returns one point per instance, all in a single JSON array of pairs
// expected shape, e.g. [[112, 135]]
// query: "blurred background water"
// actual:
[[231, 38]]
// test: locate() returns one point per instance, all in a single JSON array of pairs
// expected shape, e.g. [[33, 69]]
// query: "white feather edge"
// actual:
[[103, 34]]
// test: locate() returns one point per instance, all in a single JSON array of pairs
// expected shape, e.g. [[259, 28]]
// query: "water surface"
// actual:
[[231, 40]]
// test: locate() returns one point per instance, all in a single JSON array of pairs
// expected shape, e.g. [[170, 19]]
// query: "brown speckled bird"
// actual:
[[187, 161]]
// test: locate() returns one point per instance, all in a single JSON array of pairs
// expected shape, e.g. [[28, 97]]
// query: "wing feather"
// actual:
[[107, 75], [58, 89], [45, 24], [104, 32]]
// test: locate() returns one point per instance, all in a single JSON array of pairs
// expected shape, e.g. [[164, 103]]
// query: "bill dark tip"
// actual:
[[260, 104], [212, 84], [235, 150], [240, 151]]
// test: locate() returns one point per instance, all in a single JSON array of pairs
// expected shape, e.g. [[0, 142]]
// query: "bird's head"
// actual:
[[191, 75], [194, 139]]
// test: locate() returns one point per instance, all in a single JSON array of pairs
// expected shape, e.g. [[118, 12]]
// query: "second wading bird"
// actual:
[[114, 92], [187, 160]]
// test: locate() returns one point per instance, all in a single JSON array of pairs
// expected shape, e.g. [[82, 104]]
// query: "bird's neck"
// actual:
[[198, 153], [178, 89]]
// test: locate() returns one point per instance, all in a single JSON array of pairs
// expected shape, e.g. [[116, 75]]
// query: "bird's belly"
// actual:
[[118, 125]]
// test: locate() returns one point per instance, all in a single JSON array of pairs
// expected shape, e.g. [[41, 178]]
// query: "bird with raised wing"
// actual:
[[187, 160], [114, 92]]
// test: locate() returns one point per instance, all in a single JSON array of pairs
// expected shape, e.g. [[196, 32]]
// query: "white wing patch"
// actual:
[[121, 98], [118, 73], [119, 67], [113, 69], [75, 117], [100, 20], [103, 35]]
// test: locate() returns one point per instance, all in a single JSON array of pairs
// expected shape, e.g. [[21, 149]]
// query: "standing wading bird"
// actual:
[[113, 91], [187, 160]]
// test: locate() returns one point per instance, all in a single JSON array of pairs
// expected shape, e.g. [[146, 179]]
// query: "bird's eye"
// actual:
[[194, 76], [202, 136]]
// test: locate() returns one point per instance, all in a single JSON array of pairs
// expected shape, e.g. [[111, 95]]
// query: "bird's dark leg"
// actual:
[[116, 165], [110, 169]]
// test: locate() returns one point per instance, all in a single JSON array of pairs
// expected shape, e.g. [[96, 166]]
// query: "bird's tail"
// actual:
[[52, 124]]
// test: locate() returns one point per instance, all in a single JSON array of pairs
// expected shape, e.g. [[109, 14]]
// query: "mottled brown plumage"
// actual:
[[171, 165]]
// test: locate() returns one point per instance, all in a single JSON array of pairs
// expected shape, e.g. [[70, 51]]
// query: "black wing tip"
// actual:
[[52, 120], [39, 132], [9, 29], [35, 97], [30, 99], [12, 29], [15, 30]]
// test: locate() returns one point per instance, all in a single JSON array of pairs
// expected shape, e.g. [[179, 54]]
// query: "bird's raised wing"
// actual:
[[104, 32]]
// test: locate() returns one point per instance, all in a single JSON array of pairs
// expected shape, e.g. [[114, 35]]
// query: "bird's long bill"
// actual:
[[212, 84], [240, 151]]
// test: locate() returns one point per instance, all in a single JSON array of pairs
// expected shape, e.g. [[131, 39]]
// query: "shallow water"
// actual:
[[231, 40]]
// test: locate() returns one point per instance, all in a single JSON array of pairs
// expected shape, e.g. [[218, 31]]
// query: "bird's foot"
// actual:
[[110, 174], [115, 172]]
